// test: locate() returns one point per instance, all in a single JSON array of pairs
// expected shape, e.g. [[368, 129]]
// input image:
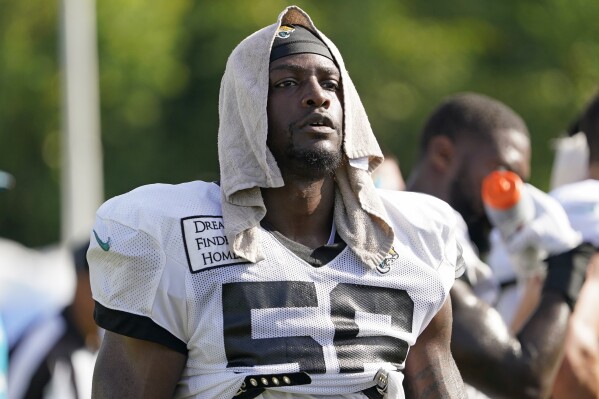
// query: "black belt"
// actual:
[[254, 385]]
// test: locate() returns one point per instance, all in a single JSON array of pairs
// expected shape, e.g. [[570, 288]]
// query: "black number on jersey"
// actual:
[[239, 299]]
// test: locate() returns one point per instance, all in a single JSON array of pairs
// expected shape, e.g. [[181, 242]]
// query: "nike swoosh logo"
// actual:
[[105, 245]]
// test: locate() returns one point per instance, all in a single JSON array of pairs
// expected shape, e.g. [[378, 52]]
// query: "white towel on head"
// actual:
[[246, 164]]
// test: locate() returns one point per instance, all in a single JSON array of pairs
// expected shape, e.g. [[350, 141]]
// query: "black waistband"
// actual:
[[254, 385]]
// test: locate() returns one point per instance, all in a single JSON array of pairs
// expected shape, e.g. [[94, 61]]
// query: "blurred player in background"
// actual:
[[388, 175], [5, 184], [54, 357], [467, 137]]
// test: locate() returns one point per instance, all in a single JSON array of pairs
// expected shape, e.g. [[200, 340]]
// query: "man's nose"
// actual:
[[315, 95]]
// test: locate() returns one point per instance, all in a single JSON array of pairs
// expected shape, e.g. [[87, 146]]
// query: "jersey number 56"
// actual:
[[352, 348]]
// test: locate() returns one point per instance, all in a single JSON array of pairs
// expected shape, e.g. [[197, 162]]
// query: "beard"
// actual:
[[463, 201], [311, 164], [479, 231]]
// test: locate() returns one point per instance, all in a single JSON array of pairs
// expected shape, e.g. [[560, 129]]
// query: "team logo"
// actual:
[[385, 265], [206, 245], [284, 31]]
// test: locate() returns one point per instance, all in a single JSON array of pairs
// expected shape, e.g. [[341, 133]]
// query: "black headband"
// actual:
[[295, 39]]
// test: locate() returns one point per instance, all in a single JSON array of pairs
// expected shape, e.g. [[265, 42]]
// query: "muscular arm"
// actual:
[[578, 375], [430, 369], [498, 363], [130, 368]]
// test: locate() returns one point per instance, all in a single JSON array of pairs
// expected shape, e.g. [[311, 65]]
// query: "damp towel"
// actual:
[[246, 164]]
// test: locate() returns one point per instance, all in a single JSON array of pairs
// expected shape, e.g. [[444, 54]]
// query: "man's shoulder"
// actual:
[[162, 201]]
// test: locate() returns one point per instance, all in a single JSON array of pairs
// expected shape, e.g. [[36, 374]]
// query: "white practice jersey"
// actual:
[[161, 270], [581, 203]]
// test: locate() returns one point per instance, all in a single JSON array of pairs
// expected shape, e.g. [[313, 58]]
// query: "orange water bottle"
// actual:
[[507, 204], [509, 207]]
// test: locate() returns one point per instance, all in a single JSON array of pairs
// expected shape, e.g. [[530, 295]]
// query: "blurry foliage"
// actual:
[[161, 63]]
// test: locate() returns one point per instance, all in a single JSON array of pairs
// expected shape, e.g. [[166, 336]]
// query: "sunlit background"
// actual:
[[160, 64]]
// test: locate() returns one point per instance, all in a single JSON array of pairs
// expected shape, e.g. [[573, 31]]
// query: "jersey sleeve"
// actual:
[[453, 265], [137, 293], [429, 227]]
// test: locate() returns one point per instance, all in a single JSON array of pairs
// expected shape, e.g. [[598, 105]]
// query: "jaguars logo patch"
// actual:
[[385, 265], [284, 31]]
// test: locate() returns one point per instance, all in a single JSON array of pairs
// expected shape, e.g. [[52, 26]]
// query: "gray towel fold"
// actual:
[[246, 164]]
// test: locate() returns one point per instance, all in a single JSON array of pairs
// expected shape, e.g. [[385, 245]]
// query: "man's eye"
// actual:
[[286, 83], [330, 85]]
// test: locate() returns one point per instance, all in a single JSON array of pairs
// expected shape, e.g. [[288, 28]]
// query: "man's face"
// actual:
[[509, 150], [305, 115]]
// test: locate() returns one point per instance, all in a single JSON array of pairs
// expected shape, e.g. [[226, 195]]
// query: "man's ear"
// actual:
[[441, 152]]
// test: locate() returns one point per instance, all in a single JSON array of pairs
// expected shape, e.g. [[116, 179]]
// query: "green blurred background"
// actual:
[[161, 64]]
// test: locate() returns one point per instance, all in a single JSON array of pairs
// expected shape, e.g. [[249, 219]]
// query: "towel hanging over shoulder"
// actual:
[[246, 164]]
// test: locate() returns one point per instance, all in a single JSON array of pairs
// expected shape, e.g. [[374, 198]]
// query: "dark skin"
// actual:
[[305, 113], [489, 357], [133, 368], [305, 116], [431, 371], [578, 375]]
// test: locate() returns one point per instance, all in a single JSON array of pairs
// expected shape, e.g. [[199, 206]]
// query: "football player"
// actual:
[[293, 277], [467, 137]]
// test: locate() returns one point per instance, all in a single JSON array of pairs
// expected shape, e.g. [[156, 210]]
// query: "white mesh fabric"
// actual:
[[341, 322], [416, 214], [134, 260], [422, 282], [143, 226]]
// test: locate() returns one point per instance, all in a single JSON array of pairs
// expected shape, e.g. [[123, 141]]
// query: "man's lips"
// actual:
[[318, 123]]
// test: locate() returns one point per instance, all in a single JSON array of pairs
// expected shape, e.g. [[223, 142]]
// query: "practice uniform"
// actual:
[[161, 270]]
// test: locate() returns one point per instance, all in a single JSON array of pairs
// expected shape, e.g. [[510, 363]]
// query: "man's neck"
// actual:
[[421, 180], [301, 210], [594, 171]]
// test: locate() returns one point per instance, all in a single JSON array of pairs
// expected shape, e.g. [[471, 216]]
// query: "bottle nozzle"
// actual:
[[501, 189]]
